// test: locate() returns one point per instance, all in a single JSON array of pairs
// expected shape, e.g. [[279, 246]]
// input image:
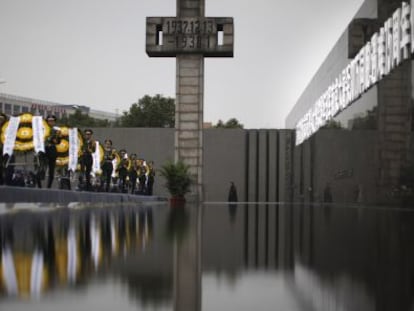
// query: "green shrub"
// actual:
[[177, 177]]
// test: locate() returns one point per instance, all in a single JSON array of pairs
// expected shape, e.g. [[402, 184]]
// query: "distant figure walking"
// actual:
[[327, 194], [232, 193]]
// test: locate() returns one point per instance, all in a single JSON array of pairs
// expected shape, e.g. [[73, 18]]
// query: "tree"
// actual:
[[332, 124], [78, 119], [232, 123], [157, 111], [367, 122]]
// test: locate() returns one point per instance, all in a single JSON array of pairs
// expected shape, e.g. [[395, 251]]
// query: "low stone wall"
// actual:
[[20, 194]]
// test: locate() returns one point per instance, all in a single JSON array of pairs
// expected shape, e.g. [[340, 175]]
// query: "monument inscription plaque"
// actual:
[[209, 36]]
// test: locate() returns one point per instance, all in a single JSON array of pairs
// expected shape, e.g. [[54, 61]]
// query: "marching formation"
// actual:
[[33, 148]]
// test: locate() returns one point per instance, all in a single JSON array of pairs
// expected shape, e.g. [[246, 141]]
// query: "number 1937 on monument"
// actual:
[[209, 36]]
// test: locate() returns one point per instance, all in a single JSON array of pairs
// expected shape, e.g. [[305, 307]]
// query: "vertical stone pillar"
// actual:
[[190, 36], [189, 103], [190, 8], [189, 116]]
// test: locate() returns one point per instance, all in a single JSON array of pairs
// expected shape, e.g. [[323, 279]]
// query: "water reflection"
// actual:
[[45, 250], [177, 225], [327, 257], [210, 257], [356, 257]]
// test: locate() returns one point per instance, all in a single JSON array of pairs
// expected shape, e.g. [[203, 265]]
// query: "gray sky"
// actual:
[[92, 52]]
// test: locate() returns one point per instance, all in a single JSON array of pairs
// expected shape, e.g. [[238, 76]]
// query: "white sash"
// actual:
[[113, 234], [73, 149], [96, 156], [95, 241], [72, 254], [114, 164], [36, 275], [11, 133], [9, 271], [38, 134], [146, 173]]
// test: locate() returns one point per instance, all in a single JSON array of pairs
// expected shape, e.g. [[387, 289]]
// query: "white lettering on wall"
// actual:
[[386, 50], [396, 38], [411, 25], [374, 59], [348, 86], [388, 46], [405, 30], [381, 54], [368, 65], [361, 69]]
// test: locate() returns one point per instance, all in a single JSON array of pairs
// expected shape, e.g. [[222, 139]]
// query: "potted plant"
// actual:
[[178, 180]]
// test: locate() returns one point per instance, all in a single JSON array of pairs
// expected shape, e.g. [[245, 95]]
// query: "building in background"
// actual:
[[15, 105], [354, 121]]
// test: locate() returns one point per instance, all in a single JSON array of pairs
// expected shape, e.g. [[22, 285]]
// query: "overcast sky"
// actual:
[[92, 53]]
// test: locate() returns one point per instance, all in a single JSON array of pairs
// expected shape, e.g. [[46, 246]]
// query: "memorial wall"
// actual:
[[257, 161], [354, 121]]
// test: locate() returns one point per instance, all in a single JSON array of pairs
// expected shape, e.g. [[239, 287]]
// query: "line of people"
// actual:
[[120, 172], [117, 171]]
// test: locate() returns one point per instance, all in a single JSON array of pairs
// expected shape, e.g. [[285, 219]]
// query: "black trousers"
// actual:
[[86, 169], [150, 185], [51, 156], [1, 167], [107, 169], [122, 173], [9, 170], [133, 180]]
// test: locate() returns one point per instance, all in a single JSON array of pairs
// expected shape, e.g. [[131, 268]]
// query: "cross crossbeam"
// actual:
[[209, 36]]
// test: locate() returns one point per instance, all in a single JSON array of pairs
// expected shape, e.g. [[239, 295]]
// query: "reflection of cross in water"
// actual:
[[190, 37]]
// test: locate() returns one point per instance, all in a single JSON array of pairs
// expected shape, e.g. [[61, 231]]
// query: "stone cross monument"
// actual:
[[190, 37]]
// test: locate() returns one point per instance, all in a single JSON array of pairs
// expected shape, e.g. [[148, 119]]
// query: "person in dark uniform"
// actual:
[[232, 197], [151, 178], [6, 161], [133, 172], [327, 194], [86, 159], [50, 147], [123, 170], [107, 166], [142, 177], [3, 119]]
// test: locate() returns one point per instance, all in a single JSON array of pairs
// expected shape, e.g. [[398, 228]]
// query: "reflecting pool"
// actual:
[[208, 257]]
